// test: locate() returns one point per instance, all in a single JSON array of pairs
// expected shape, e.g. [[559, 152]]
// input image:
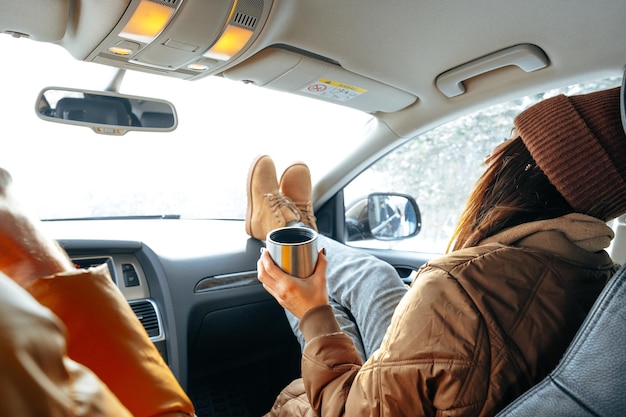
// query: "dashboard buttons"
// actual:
[[131, 279]]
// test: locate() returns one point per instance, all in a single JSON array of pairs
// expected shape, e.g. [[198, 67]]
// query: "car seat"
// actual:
[[589, 380]]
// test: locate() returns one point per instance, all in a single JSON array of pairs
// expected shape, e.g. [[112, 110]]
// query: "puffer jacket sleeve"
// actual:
[[104, 335], [36, 376], [434, 357]]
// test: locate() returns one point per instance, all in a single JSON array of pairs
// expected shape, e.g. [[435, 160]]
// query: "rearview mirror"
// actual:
[[383, 216], [105, 112]]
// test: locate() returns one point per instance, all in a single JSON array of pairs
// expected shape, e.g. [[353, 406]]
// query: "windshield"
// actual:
[[197, 171]]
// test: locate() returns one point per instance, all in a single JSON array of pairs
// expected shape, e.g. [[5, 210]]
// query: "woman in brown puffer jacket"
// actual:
[[482, 324]]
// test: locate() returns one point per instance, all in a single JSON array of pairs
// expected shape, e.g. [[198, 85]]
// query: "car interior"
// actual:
[[400, 69]]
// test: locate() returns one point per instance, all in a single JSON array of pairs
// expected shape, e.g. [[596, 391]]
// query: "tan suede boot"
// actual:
[[295, 183], [267, 208]]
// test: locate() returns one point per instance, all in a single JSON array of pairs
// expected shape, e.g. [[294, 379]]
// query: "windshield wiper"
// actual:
[[134, 217]]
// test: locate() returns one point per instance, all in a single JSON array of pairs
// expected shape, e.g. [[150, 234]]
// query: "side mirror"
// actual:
[[383, 216], [105, 112]]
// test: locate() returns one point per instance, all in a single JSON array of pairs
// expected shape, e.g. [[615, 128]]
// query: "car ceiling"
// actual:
[[397, 49]]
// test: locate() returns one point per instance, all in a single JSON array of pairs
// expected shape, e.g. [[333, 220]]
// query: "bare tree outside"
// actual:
[[440, 167]]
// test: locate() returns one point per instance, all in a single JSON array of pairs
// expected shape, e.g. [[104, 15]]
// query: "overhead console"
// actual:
[[184, 39], [191, 39], [280, 68]]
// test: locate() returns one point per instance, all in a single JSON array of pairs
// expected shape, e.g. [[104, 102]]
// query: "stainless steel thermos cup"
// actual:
[[293, 249]]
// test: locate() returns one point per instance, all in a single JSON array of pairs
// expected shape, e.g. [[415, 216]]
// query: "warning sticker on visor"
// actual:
[[333, 90]]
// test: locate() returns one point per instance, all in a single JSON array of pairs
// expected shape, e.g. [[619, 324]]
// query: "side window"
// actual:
[[438, 169]]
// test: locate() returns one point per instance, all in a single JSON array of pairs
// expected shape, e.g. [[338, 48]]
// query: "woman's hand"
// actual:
[[298, 295]]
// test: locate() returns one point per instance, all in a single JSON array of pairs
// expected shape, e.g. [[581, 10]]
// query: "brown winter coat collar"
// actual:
[[576, 237]]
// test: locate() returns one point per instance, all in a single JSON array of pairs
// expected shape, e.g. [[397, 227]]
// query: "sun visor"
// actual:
[[40, 20], [296, 73]]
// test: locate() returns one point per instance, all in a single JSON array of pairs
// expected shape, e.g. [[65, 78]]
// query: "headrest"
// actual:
[[156, 119], [93, 111]]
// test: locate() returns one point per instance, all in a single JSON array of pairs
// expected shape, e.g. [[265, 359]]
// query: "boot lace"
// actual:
[[306, 213], [278, 201]]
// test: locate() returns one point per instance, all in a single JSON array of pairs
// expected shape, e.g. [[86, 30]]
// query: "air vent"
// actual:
[[247, 13], [146, 312], [170, 3], [244, 20]]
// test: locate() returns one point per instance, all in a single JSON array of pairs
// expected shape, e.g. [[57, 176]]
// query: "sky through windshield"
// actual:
[[197, 171]]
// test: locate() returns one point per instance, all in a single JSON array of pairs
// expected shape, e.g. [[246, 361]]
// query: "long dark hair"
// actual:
[[512, 190]]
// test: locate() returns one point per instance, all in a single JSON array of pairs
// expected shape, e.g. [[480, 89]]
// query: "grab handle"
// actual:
[[526, 56]]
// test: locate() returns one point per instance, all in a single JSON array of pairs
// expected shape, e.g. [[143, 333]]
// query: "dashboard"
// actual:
[[192, 284]]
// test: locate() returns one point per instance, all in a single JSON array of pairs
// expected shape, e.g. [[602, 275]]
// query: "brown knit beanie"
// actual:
[[579, 143]]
